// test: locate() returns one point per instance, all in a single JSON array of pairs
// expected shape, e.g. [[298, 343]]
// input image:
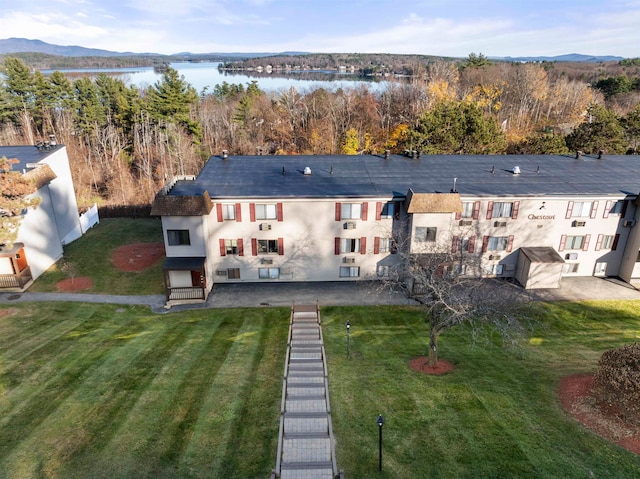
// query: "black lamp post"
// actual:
[[380, 422], [348, 325]]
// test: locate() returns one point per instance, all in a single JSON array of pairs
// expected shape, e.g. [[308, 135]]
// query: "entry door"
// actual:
[[21, 260]]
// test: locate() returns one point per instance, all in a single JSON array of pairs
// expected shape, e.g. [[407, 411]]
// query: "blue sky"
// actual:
[[431, 27]]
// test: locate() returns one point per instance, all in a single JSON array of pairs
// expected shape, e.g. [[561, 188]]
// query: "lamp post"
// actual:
[[380, 422], [348, 325]]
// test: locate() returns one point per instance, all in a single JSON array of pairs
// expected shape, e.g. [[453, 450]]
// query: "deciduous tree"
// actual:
[[15, 198]]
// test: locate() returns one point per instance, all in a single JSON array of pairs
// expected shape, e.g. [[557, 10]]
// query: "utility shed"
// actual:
[[539, 267]]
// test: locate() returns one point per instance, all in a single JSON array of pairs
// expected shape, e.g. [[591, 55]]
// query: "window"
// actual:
[[268, 273], [570, 267], [426, 233], [350, 211], [467, 209], [497, 243], [601, 268], [607, 241], [382, 271], [349, 245], [267, 246], [502, 209], [574, 242], [617, 208], [387, 210], [229, 212], [231, 246], [581, 209], [460, 269], [385, 245], [178, 237], [494, 269], [349, 271], [266, 212], [233, 273]]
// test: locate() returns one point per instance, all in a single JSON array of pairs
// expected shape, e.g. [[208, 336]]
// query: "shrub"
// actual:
[[616, 385]]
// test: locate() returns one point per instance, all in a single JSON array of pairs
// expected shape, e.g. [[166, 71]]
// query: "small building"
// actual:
[[534, 218], [46, 229]]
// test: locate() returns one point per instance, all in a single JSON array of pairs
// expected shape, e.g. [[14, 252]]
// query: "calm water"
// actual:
[[207, 75]]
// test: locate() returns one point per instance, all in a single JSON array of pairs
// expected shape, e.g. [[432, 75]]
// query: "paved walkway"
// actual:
[[305, 441]]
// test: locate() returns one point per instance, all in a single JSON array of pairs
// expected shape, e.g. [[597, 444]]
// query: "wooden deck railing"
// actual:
[[15, 280], [179, 294]]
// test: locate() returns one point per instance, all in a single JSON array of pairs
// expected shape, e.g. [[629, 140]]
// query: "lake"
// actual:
[[206, 75]]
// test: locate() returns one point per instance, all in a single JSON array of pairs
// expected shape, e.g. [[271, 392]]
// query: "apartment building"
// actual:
[[343, 218]]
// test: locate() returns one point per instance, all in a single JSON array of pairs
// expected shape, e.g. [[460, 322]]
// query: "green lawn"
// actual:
[[90, 256], [104, 391]]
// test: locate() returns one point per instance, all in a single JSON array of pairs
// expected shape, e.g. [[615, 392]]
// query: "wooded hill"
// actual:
[[124, 143]]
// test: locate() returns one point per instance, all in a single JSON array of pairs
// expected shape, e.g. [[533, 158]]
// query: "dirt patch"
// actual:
[[137, 256], [76, 284], [576, 397], [421, 364]]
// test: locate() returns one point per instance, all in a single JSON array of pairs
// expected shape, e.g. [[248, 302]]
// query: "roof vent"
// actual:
[[225, 154], [578, 154], [516, 170], [307, 171]]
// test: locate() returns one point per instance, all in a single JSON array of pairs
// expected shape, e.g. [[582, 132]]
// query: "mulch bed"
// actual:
[[70, 285], [576, 397], [421, 364], [137, 256]]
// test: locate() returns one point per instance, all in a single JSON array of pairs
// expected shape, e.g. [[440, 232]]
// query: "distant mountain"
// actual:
[[24, 45], [571, 57]]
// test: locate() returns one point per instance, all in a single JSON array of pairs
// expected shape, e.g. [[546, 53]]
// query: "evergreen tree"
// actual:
[[602, 130]]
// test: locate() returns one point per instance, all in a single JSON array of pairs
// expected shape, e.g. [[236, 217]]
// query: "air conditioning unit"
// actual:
[[571, 256], [495, 256], [349, 260], [221, 272], [350, 225], [629, 223], [500, 224], [579, 224], [267, 261], [265, 227], [465, 223]]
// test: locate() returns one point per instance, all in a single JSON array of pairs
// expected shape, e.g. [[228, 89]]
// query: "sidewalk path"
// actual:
[[360, 293]]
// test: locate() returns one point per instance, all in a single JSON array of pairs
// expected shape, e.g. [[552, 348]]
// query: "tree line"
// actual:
[[124, 142]]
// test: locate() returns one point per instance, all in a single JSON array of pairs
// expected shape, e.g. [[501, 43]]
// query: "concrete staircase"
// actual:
[[305, 442]]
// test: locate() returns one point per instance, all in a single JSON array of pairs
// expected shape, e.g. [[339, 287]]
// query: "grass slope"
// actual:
[[103, 391], [91, 254]]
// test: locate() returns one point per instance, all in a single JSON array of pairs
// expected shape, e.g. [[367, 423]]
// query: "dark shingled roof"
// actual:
[[541, 254], [373, 176], [26, 154]]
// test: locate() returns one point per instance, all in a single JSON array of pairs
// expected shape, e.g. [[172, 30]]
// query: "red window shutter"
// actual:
[[489, 210], [365, 211], [472, 244], [614, 246], [337, 246], [280, 246], [599, 242], [476, 210], [563, 241], [378, 210], [363, 245], [376, 245], [607, 208], [510, 244], [514, 211], [279, 207], [569, 210], [223, 249], [240, 247], [458, 215], [585, 246], [454, 244], [254, 247], [238, 212], [219, 212], [338, 211], [594, 209], [485, 243], [252, 213]]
